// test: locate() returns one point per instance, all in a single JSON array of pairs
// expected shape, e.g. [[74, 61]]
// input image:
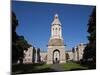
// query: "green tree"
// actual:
[[14, 37], [34, 51], [90, 50], [19, 44], [38, 53], [77, 50], [67, 56]]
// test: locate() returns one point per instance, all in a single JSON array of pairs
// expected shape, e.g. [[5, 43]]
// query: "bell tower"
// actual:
[[56, 30], [56, 47]]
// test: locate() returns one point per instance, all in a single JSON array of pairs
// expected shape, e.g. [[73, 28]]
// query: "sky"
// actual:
[[35, 22]]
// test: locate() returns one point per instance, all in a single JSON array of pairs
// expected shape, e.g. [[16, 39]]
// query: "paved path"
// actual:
[[57, 67]]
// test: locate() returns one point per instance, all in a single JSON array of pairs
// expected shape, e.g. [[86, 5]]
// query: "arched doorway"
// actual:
[[56, 56]]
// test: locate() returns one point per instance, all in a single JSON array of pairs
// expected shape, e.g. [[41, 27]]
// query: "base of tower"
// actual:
[[51, 62], [62, 61]]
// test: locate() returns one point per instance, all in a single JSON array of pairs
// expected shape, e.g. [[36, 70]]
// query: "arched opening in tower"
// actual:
[[56, 56]]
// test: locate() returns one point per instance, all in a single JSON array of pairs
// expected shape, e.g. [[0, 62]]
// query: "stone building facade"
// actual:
[[43, 56], [75, 55], [32, 55], [70, 54], [78, 52], [28, 56]]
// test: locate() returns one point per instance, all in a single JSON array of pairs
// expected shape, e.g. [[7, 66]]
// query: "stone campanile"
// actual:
[[56, 47], [56, 30]]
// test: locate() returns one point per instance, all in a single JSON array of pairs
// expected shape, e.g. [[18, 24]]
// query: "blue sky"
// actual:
[[35, 22]]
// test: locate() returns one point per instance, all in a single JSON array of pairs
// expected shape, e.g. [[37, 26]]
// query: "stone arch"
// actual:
[[56, 56]]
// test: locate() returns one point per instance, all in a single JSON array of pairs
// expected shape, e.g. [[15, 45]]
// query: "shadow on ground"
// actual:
[[30, 68], [42, 68]]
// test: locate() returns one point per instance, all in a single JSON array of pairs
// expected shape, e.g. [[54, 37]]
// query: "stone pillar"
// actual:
[[49, 57], [36, 55], [75, 57], [62, 56]]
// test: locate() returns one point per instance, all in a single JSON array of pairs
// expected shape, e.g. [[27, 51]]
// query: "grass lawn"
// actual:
[[72, 66], [40, 68], [31, 68]]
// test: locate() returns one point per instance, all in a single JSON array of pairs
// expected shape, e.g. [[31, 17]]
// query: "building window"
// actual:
[[56, 28], [59, 29], [53, 28], [25, 59]]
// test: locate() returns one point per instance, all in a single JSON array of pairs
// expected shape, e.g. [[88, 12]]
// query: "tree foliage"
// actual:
[[19, 44], [67, 56], [38, 53], [34, 52], [90, 50]]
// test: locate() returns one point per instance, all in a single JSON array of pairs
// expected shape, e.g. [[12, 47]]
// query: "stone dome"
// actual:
[[56, 42]]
